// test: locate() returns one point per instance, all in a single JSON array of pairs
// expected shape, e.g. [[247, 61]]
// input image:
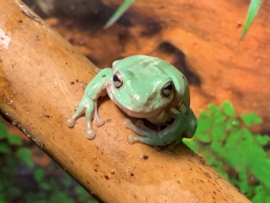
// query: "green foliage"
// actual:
[[225, 141], [118, 13], [254, 6], [22, 181]]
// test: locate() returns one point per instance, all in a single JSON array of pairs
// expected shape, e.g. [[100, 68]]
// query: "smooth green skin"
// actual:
[[141, 96]]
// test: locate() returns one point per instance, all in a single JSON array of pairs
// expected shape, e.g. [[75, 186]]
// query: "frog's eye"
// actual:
[[167, 89], [117, 80]]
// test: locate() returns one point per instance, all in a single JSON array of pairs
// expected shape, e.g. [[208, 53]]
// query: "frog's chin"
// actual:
[[136, 114]]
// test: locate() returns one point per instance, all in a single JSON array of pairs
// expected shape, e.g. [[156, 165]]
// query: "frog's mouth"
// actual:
[[129, 111]]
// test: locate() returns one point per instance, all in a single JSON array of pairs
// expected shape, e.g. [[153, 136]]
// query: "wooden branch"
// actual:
[[42, 77]]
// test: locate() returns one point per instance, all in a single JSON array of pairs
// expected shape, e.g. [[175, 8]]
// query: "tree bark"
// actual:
[[42, 77]]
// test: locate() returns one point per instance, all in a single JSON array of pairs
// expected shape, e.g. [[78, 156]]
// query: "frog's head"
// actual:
[[140, 88]]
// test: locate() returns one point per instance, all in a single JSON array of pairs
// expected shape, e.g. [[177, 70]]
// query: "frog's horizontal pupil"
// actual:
[[116, 81], [167, 88]]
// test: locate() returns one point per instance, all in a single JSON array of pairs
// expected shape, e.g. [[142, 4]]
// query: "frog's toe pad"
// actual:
[[131, 139], [128, 124], [90, 134], [70, 122], [99, 122]]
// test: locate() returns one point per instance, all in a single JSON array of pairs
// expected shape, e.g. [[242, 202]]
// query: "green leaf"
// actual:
[[14, 140], [216, 147], [4, 148], [81, 192], [59, 196], [220, 119], [231, 123], [119, 12], [228, 108], [218, 132], [203, 125], [204, 114], [15, 191], [45, 185], [3, 132], [194, 146], [39, 174], [2, 198], [252, 11], [203, 137], [250, 119], [66, 181], [248, 136], [25, 155], [262, 140], [214, 109]]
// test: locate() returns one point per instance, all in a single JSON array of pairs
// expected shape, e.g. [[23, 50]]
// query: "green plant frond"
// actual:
[[254, 6], [225, 139], [214, 109], [14, 140], [3, 131], [118, 13], [250, 119], [228, 108], [25, 155]]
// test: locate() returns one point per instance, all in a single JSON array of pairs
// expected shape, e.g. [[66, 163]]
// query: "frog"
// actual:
[[143, 87]]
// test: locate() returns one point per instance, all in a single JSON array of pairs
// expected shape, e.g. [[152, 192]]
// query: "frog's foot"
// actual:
[[131, 139], [128, 123], [70, 122], [190, 131], [139, 128], [89, 133], [141, 125], [99, 122]]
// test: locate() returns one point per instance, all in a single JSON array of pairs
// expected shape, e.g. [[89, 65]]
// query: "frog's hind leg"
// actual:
[[171, 134], [148, 136], [191, 130]]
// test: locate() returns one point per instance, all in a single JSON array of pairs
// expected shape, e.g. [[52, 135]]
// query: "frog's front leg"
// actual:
[[167, 136], [88, 104]]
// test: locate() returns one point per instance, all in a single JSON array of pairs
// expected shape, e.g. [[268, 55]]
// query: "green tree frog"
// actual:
[[143, 87]]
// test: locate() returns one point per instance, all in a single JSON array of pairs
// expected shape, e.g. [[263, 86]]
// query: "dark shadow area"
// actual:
[[180, 62]]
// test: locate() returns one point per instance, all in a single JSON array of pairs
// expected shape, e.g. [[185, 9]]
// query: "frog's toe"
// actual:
[[128, 124], [140, 124], [99, 122], [70, 122], [131, 139], [90, 134]]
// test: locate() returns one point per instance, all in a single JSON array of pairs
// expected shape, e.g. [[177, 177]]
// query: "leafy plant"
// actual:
[[118, 13], [23, 181], [225, 141], [254, 6]]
